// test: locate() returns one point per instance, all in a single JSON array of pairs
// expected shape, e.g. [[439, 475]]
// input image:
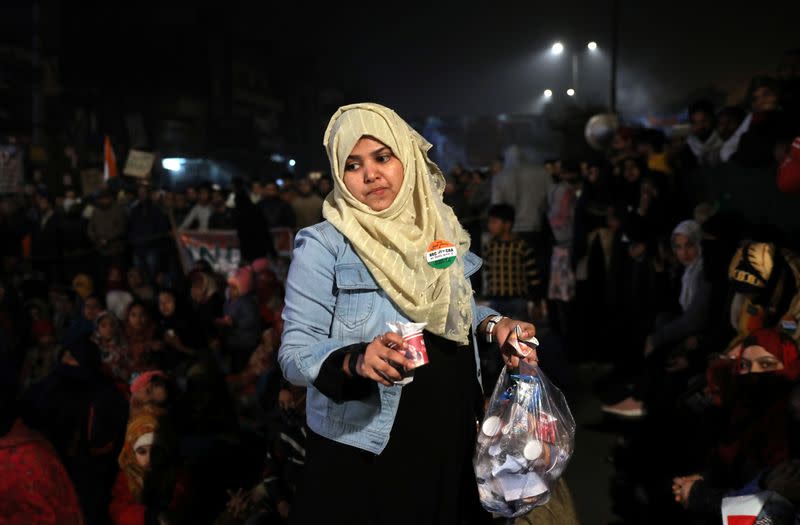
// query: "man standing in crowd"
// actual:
[[307, 205], [731, 126], [221, 216], [149, 228], [201, 212], [278, 212], [46, 243], [703, 142], [108, 227]]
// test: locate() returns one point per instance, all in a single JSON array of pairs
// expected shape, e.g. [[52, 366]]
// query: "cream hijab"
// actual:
[[392, 243]]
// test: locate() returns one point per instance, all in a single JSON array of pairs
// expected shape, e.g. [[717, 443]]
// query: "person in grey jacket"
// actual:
[[382, 449]]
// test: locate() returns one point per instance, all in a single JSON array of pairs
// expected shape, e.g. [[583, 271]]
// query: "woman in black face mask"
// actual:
[[759, 430]]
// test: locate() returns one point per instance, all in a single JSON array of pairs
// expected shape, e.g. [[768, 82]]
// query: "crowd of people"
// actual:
[[147, 380], [693, 307], [146, 390]]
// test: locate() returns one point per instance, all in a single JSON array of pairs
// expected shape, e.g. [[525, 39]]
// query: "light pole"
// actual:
[[614, 49], [558, 48]]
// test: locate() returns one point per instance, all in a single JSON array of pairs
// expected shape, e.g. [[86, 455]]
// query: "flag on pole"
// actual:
[[110, 160]]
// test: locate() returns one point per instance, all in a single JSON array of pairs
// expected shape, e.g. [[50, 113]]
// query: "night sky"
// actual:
[[445, 59], [492, 59]]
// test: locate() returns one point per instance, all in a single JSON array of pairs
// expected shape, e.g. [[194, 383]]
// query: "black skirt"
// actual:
[[424, 475]]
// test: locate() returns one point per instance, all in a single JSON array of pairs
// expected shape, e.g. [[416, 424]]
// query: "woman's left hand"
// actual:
[[506, 337]]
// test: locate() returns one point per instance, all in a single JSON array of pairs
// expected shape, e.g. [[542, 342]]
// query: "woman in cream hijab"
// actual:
[[388, 442]]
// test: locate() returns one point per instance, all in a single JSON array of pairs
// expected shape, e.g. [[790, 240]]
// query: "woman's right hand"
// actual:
[[381, 360]]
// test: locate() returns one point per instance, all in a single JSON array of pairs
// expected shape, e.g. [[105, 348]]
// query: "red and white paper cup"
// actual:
[[415, 350]]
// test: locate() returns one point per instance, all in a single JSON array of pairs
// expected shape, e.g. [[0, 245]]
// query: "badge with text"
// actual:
[[441, 254]]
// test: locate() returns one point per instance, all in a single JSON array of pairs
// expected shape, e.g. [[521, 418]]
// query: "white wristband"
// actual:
[[490, 326]]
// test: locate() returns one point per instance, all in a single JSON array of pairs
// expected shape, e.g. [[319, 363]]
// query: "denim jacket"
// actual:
[[332, 301]]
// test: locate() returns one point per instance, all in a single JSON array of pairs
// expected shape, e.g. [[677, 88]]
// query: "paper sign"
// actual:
[[139, 164]]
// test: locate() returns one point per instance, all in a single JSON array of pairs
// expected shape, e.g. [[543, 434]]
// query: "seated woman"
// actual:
[[108, 337], [669, 343], [758, 432], [205, 305], [180, 337], [149, 487], [34, 484], [140, 337]]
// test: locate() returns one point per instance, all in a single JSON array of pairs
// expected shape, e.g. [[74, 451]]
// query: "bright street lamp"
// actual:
[[548, 93], [558, 48]]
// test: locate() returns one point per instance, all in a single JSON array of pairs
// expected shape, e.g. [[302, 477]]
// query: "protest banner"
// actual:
[[220, 248]]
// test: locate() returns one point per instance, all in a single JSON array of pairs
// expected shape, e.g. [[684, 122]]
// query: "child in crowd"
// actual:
[[152, 391], [510, 268], [241, 322], [511, 276]]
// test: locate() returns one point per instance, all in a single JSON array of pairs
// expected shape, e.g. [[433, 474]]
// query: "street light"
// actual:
[[557, 48], [548, 93]]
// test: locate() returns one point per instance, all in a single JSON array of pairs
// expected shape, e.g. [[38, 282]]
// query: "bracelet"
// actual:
[[352, 364], [490, 326]]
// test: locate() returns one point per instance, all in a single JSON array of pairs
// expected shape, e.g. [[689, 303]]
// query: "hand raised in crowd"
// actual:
[[382, 358], [506, 337]]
